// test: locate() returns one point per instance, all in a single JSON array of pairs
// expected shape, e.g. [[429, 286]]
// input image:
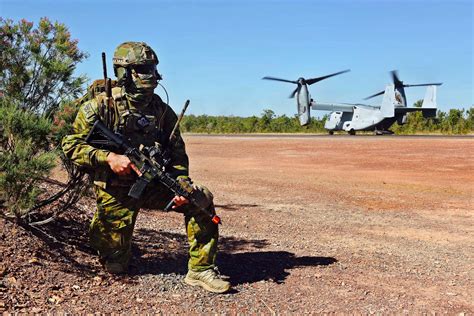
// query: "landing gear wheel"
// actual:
[[352, 132], [331, 132]]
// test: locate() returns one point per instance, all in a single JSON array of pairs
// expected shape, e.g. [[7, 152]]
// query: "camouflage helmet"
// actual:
[[134, 53]]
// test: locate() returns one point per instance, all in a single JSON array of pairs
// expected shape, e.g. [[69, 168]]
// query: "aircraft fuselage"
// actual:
[[361, 118]]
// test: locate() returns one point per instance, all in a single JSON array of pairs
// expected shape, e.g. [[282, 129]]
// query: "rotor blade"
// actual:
[[278, 79], [292, 95], [395, 79], [314, 80], [374, 95], [423, 84]]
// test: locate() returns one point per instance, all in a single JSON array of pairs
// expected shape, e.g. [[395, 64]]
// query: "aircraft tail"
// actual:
[[429, 105], [388, 102], [430, 98]]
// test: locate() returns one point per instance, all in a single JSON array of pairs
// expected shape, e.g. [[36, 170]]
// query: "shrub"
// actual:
[[25, 157]]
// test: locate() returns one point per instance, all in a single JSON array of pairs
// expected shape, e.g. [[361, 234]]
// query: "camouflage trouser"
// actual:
[[111, 228]]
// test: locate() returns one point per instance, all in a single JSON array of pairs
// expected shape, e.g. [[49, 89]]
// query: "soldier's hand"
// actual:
[[179, 200], [120, 164]]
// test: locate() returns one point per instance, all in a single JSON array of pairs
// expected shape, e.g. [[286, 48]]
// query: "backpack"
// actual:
[[96, 88]]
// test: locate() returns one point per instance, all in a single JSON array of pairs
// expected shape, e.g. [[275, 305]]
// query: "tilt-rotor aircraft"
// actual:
[[362, 117], [303, 98]]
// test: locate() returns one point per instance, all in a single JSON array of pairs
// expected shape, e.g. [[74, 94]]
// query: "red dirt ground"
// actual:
[[323, 224]]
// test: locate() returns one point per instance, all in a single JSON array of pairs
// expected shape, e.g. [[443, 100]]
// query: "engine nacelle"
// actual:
[[304, 114]]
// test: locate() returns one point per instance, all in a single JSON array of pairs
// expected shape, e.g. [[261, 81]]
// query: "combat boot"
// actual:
[[115, 268], [208, 279]]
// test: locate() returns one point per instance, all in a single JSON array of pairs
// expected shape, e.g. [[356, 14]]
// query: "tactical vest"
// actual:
[[139, 125]]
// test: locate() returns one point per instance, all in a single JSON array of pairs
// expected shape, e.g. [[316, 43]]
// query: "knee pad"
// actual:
[[202, 196]]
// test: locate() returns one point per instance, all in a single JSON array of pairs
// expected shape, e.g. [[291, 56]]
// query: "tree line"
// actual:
[[454, 121]]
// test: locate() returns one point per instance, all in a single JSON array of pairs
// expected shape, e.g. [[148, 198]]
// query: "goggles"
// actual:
[[144, 69]]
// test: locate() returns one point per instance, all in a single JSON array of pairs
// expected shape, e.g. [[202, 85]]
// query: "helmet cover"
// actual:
[[134, 53]]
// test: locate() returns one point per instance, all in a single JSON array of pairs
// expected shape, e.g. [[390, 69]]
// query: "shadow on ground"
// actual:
[[244, 261], [251, 267], [65, 240], [158, 252]]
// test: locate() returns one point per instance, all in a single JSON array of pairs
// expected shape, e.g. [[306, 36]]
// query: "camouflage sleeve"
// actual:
[[179, 159], [75, 147]]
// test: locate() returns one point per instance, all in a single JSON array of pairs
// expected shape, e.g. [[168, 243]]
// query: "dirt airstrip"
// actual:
[[321, 224]]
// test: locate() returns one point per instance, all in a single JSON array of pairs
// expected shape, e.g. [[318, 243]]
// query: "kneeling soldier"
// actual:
[[143, 119]]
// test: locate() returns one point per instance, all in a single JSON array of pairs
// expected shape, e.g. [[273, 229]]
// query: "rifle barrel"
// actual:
[[180, 117]]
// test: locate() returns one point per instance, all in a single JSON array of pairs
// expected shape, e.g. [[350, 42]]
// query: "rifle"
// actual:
[[150, 164]]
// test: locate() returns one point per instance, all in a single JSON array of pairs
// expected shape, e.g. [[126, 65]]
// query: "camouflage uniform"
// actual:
[[112, 226]]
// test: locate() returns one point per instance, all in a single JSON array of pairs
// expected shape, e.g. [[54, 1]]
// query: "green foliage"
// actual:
[[268, 122], [36, 82], [453, 122], [470, 119], [24, 156], [37, 64], [418, 104], [63, 119]]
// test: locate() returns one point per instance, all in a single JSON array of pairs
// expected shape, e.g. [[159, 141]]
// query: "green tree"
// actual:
[[470, 119], [24, 156], [250, 124], [265, 120], [418, 104], [36, 79], [37, 64]]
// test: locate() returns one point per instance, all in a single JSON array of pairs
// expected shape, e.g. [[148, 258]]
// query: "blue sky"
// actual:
[[216, 52]]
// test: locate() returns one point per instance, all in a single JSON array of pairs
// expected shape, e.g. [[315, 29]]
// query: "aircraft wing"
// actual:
[[362, 105], [332, 107], [342, 107]]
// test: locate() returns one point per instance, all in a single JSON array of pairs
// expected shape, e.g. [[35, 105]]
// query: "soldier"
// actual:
[[143, 119]]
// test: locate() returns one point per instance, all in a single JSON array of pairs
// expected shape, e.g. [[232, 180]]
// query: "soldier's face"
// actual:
[[144, 77]]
